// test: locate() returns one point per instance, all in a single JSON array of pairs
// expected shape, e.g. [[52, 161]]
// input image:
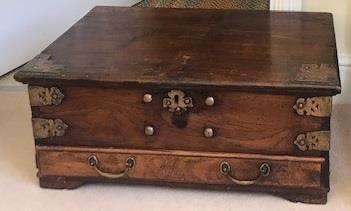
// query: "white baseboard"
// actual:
[[344, 60], [345, 96], [286, 5], [345, 75], [8, 83]]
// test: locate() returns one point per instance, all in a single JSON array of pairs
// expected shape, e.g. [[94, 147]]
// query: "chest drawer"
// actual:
[[213, 121], [221, 169]]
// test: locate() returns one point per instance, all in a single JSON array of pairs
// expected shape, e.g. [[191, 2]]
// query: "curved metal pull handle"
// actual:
[[226, 170], [93, 162]]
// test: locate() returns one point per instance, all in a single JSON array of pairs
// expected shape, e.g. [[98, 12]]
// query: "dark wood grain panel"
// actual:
[[102, 117], [228, 49], [181, 166]]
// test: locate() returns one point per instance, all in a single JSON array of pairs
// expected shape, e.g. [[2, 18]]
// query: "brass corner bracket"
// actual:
[[45, 128], [314, 106], [317, 140], [41, 96]]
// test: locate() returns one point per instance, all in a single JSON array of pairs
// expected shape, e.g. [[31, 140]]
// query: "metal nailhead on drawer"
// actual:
[[149, 130], [210, 101], [208, 132], [147, 98]]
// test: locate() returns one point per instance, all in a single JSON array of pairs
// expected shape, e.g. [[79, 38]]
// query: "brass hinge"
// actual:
[[314, 106], [45, 128], [317, 140], [41, 96]]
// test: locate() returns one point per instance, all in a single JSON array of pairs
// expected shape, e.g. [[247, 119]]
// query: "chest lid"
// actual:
[[188, 48]]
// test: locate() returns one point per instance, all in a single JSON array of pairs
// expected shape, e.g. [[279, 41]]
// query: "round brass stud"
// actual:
[[208, 132], [210, 101], [225, 168], [178, 109], [147, 98], [302, 142], [300, 105], [93, 161], [149, 130]]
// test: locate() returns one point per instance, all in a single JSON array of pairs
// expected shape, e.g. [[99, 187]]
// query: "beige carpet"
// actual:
[[19, 188]]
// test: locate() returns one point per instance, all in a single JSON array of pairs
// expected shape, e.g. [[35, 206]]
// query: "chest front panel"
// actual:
[[200, 120]]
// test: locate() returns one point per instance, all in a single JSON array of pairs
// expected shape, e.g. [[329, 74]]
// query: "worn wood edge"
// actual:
[[182, 153], [309, 198], [306, 89], [235, 10], [59, 182], [25, 74], [325, 171]]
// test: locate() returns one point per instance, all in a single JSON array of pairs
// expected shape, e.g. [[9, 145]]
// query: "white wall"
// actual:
[[341, 10], [28, 26]]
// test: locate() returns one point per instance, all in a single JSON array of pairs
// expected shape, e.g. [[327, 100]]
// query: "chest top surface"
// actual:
[[194, 48]]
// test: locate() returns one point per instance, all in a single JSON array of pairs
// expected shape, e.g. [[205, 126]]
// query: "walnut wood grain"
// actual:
[[243, 122], [181, 166], [225, 49]]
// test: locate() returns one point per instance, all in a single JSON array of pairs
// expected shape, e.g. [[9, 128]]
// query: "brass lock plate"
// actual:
[[177, 102]]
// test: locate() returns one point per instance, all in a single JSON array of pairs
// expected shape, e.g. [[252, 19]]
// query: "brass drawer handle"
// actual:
[[93, 162], [226, 170]]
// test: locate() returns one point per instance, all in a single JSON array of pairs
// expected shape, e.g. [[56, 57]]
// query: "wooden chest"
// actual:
[[203, 98]]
